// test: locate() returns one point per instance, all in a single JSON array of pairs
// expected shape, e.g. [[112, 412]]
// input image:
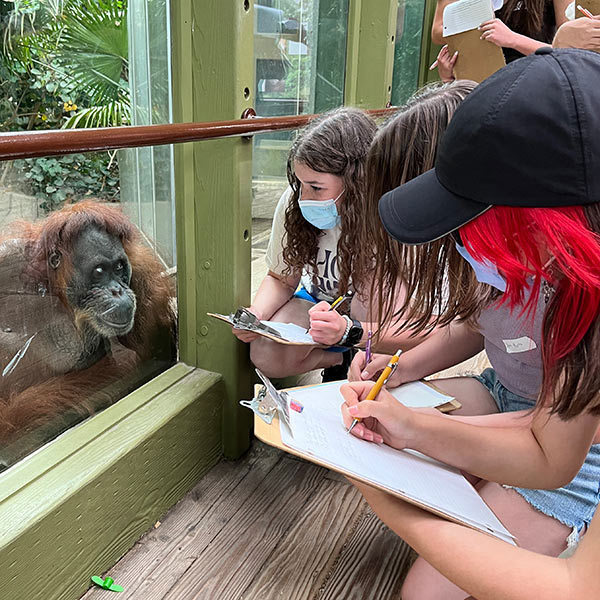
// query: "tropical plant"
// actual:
[[93, 43], [76, 176], [63, 63], [76, 51]]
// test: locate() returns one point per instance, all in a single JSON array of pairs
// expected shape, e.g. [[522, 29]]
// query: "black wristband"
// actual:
[[354, 335]]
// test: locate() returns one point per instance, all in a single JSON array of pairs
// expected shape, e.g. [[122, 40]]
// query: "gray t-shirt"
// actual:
[[513, 345], [327, 284]]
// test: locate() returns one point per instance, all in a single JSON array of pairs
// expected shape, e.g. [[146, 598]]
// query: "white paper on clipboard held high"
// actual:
[[465, 15]]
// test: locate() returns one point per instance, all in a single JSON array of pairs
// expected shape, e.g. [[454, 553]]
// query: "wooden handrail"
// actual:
[[31, 144]]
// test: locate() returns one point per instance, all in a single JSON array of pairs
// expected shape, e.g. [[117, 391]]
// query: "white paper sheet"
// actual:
[[465, 15], [318, 430], [291, 332]]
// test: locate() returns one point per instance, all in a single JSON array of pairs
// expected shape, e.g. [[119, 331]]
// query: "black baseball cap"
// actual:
[[529, 135]]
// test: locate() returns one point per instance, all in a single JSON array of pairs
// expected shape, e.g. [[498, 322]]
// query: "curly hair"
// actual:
[[335, 143], [406, 146]]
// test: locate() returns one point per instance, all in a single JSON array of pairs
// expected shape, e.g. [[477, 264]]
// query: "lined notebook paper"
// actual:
[[319, 433], [464, 15]]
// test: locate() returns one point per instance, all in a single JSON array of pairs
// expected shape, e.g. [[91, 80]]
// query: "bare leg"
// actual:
[[280, 360], [473, 395], [534, 531]]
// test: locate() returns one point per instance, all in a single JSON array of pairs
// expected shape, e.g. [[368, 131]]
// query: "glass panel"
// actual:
[[407, 49], [85, 318], [300, 53], [72, 338], [147, 173]]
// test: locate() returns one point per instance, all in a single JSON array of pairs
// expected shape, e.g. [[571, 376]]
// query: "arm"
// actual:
[[444, 348], [275, 289], [486, 567], [273, 293], [437, 28], [560, 7], [496, 32], [555, 449]]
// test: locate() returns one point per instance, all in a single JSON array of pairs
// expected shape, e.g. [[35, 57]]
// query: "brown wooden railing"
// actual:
[[31, 144]]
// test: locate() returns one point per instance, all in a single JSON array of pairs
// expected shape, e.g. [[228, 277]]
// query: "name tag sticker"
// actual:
[[522, 344]]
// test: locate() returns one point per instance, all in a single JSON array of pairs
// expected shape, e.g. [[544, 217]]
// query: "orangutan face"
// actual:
[[99, 286]]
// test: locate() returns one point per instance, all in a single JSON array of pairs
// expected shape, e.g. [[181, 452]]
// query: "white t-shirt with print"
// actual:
[[327, 286]]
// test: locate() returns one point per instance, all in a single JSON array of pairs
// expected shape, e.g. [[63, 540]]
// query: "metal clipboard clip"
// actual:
[[270, 401], [242, 318]]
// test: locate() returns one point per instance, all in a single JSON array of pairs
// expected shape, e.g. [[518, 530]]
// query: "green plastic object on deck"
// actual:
[[107, 584]]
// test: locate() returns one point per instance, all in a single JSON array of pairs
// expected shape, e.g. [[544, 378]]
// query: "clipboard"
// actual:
[[478, 517], [241, 320], [477, 59]]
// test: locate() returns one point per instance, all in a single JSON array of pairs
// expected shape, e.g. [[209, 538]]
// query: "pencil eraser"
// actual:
[[296, 406]]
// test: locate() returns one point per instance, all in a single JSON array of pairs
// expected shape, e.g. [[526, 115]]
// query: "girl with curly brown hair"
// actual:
[[313, 244]]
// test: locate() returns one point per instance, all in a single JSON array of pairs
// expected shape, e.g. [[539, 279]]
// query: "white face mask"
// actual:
[[323, 214], [485, 272]]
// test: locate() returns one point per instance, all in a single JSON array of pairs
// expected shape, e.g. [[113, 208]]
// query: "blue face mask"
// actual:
[[485, 272], [322, 214]]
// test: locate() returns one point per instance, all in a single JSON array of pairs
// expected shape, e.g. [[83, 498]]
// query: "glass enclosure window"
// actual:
[[72, 338], [85, 318], [407, 49], [300, 60], [147, 185]]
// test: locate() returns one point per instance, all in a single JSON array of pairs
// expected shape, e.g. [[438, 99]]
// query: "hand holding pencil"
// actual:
[[381, 381], [327, 326], [383, 420]]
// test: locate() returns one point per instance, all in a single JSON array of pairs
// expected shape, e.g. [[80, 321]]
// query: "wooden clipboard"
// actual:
[[268, 335], [270, 434], [477, 59]]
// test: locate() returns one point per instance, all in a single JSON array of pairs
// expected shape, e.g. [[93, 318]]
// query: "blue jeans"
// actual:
[[574, 504]]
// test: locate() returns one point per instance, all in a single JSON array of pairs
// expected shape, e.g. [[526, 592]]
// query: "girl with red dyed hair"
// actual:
[[515, 193]]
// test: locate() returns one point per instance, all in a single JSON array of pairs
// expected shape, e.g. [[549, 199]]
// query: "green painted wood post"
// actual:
[[429, 50], [370, 52], [213, 79]]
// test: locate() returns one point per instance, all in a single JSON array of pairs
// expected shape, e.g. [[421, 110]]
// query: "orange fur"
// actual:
[[152, 335]]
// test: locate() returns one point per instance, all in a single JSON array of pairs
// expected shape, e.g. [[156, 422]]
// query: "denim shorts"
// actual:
[[574, 504]]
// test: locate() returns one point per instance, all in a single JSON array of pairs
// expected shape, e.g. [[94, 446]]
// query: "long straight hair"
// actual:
[[336, 143], [524, 16], [404, 147]]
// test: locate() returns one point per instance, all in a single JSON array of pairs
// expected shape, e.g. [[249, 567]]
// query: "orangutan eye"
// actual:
[[119, 266], [98, 271]]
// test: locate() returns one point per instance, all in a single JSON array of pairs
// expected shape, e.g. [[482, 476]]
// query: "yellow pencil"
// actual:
[[340, 300], [391, 366]]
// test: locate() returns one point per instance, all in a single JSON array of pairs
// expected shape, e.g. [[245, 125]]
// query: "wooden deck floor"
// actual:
[[268, 526]]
